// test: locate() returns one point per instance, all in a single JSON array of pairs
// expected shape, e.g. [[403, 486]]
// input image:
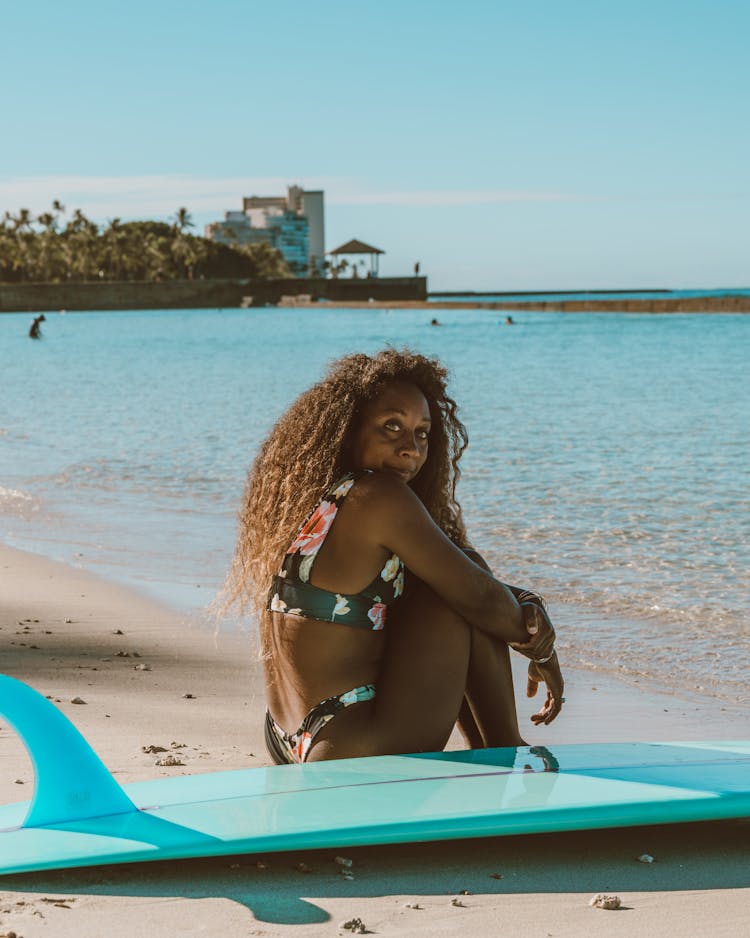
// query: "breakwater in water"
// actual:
[[204, 294], [403, 292], [710, 303]]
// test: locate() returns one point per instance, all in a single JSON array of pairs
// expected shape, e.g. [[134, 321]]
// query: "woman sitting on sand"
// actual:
[[353, 543]]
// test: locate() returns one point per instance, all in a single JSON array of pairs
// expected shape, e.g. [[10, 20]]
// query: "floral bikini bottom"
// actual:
[[293, 748]]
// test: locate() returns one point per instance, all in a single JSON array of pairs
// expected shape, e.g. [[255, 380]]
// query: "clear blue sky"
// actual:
[[550, 145]]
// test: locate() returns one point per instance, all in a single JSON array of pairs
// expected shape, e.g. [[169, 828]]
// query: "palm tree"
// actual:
[[184, 256], [113, 240], [24, 235], [22, 221], [183, 220], [182, 251], [35, 249], [8, 249], [45, 245], [82, 237]]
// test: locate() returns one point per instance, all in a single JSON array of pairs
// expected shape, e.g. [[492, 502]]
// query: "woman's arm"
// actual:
[[392, 516], [384, 513], [543, 664]]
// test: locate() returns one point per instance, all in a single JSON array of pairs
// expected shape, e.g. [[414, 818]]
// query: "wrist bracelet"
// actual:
[[529, 596], [544, 660]]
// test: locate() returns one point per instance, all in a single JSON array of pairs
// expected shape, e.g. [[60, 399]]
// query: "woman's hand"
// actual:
[[543, 664], [550, 674]]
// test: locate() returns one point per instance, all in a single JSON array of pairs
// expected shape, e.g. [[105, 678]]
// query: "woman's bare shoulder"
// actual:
[[378, 490], [380, 503], [377, 501]]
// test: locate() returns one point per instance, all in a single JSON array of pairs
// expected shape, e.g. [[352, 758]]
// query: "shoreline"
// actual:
[[61, 629]]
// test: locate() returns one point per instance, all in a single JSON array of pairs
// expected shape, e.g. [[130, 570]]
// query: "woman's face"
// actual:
[[393, 432]]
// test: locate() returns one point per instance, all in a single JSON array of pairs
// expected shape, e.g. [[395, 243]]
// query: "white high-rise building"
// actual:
[[293, 223]]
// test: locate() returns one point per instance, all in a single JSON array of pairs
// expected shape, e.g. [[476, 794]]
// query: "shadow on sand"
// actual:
[[697, 856]]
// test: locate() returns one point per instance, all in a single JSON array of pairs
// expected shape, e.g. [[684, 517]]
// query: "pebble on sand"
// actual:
[[169, 760], [602, 901], [355, 925]]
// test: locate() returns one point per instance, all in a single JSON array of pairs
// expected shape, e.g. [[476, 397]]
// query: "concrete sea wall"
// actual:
[[196, 294]]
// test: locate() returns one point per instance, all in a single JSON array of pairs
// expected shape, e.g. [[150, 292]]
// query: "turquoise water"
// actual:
[[607, 464]]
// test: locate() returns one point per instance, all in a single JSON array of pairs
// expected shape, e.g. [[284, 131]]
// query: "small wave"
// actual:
[[168, 480], [18, 504], [688, 659], [14, 495]]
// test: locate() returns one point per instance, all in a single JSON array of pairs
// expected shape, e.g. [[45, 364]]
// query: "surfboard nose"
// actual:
[[71, 782]]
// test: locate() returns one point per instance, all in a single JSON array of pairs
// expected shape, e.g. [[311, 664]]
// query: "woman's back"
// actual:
[[327, 610]]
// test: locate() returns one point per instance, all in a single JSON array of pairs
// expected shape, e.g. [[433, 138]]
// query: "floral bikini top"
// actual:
[[292, 592]]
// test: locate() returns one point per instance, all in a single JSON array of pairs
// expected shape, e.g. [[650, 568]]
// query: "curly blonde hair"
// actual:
[[308, 450]]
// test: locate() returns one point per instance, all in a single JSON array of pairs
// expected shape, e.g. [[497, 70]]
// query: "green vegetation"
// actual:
[[49, 249]]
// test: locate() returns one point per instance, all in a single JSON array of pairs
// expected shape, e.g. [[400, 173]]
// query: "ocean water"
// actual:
[[607, 466]]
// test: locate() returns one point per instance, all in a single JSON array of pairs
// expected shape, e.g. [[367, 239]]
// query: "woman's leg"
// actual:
[[419, 688], [489, 694], [468, 726], [433, 658], [489, 710]]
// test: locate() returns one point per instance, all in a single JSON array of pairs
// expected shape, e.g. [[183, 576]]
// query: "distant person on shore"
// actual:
[[416, 269], [509, 321], [350, 527], [35, 330]]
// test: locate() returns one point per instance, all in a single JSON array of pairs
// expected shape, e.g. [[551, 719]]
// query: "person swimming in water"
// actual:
[[35, 331]]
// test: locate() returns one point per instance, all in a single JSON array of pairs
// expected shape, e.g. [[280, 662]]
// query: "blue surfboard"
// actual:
[[81, 816]]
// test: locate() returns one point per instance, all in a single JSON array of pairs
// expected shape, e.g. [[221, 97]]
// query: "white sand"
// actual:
[[699, 883]]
